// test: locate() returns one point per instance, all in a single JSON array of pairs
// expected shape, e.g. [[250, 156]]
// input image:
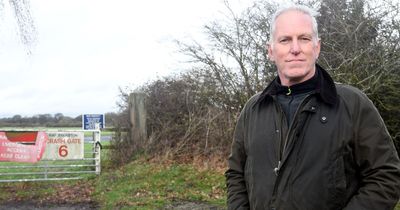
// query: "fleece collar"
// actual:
[[324, 88]]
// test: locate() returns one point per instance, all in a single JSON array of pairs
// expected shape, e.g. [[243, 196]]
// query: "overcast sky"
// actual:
[[86, 49]]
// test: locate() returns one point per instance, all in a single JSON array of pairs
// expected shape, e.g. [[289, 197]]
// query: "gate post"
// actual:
[[97, 148], [137, 118]]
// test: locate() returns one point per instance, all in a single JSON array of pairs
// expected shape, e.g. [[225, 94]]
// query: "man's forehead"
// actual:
[[305, 34], [293, 23], [293, 13]]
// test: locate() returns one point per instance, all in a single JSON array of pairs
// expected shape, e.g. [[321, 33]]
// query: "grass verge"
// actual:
[[138, 185], [147, 185]]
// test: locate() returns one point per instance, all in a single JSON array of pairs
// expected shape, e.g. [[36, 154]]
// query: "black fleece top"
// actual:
[[291, 97]]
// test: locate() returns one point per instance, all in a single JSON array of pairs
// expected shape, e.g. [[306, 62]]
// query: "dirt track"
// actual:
[[92, 206], [33, 206]]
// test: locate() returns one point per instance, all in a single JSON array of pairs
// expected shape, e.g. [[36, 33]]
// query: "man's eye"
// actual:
[[284, 41], [305, 39]]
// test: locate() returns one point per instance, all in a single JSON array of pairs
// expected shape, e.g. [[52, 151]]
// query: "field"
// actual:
[[106, 132]]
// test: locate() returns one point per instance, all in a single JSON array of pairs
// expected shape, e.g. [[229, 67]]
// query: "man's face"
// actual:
[[293, 48]]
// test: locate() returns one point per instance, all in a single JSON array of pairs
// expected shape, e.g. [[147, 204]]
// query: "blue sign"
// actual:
[[89, 121]]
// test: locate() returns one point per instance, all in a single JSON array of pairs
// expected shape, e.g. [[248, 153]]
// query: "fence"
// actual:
[[54, 169]]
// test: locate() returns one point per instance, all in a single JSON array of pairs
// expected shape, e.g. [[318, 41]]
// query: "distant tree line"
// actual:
[[49, 120], [195, 112]]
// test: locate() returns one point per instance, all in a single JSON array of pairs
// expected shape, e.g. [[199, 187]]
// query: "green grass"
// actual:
[[149, 186], [138, 185]]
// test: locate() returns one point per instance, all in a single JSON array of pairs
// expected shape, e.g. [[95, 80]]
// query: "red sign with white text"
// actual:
[[16, 152]]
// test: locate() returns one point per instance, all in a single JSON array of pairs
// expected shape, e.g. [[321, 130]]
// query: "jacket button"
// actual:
[[324, 119], [312, 108]]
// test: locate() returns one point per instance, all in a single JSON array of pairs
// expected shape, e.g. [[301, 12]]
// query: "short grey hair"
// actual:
[[294, 7]]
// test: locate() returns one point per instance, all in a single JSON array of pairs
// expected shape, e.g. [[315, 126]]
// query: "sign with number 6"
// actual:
[[64, 145]]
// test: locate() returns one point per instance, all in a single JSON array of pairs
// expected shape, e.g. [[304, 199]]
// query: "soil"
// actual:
[[35, 206], [191, 206], [94, 206]]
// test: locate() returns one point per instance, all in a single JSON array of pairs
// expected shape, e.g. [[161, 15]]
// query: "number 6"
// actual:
[[63, 150]]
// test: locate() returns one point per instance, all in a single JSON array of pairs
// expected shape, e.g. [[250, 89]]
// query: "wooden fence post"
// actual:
[[137, 117]]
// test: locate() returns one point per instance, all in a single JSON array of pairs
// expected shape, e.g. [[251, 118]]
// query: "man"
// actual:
[[305, 142]]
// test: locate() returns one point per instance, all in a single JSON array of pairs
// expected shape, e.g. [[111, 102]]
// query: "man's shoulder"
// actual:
[[252, 101], [350, 93], [347, 90]]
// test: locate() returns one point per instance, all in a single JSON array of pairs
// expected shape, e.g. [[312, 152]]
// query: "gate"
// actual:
[[48, 169]]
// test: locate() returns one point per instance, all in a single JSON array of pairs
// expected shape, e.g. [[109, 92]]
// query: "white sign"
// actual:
[[64, 145]]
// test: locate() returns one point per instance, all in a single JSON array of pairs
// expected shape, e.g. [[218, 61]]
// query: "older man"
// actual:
[[305, 142]]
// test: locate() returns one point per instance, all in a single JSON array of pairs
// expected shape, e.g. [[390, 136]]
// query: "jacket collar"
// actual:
[[325, 88]]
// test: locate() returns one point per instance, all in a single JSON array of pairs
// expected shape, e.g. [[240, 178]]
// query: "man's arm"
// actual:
[[377, 160], [237, 192]]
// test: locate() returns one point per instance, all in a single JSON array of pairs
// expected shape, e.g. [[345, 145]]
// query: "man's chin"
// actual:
[[297, 78]]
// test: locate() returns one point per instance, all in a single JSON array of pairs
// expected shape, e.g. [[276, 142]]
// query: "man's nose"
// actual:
[[295, 47]]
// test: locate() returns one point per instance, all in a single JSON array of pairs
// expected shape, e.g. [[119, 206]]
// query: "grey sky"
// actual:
[[86, 49]]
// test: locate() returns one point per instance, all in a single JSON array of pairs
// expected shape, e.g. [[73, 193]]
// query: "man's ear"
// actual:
[[270, 53], [318, 48]]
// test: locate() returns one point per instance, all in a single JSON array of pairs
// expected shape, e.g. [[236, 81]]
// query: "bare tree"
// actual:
[[26, 26], [195, 112], [360, 47], [236, 56]]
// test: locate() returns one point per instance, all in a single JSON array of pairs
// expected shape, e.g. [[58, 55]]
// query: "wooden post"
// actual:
[[137, 117]]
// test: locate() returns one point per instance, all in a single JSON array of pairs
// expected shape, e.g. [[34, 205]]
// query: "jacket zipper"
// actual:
[[282, 154]]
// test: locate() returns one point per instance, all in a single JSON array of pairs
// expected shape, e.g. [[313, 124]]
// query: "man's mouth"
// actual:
[[295, 60]]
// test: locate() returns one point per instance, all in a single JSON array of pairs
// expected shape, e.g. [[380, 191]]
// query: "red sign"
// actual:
[[16, 152], [22, 136]]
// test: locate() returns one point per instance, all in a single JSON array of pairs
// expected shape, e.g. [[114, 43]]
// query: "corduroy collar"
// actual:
[[325, 88]]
